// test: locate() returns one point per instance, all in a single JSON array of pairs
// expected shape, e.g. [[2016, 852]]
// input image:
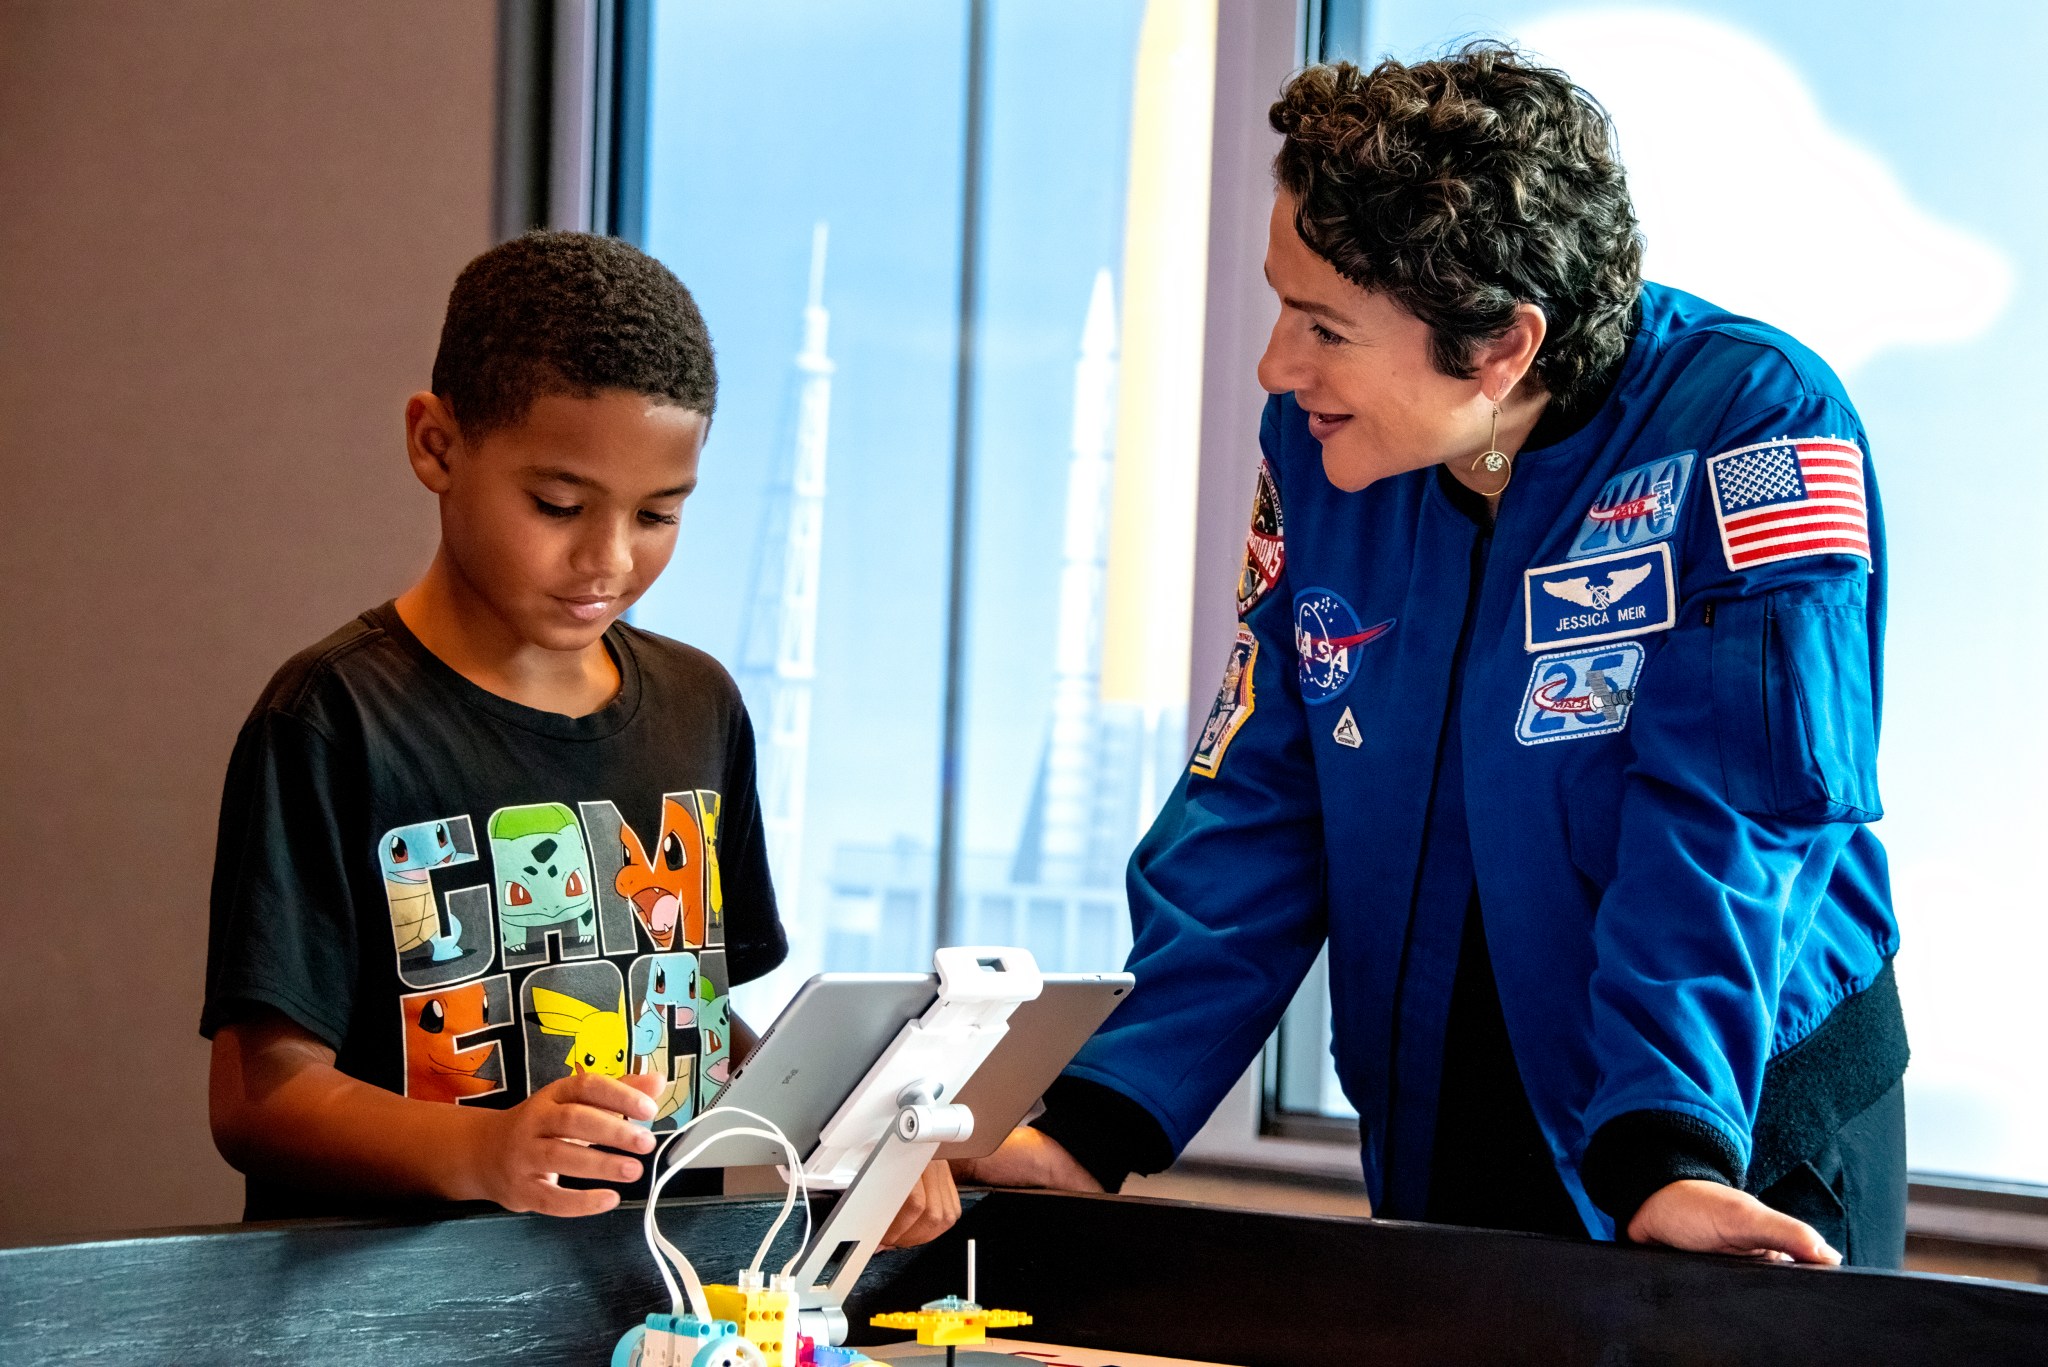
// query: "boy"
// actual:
[[490, 859]]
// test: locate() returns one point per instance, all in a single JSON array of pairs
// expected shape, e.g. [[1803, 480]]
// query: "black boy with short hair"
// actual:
[[490, 858]]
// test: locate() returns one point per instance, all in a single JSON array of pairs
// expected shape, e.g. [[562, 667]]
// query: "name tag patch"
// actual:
[[1604, 598], [1575, 693], [1634, 508]]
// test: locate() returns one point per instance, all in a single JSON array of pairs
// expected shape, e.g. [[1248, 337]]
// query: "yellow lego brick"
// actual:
[[765, 1319], [951, 1323]]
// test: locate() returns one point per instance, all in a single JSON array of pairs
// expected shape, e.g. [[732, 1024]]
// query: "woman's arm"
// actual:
[[1754, 740]]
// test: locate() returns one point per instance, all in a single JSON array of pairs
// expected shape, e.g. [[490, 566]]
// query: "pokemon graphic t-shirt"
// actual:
[[469, 898]]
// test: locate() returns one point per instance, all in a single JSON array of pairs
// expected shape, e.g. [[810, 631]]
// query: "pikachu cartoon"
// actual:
[[597, 1038]]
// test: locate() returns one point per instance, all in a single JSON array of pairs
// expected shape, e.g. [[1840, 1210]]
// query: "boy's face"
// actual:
[[560, 522]]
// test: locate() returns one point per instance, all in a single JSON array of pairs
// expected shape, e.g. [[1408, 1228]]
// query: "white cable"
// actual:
[[683, 1265], [799, 1185], [665, 1252]]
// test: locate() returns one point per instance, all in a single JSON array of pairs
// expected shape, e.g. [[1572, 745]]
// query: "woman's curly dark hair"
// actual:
[[1462, 187]]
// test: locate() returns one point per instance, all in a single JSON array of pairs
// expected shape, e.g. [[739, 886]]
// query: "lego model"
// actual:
[[876, 1147], [761, 1335], [684, 1341], [765, 1310], [952, 1322]]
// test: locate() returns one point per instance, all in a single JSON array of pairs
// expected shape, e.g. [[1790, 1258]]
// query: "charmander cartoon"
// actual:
[[543, 878], [437, 1066], [408, 855], [667, 889], [597, 1038]]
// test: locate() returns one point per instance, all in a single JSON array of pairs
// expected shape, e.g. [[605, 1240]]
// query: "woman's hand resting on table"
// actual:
[[1026, 1159], [1698, 1217], [1706, 1217]]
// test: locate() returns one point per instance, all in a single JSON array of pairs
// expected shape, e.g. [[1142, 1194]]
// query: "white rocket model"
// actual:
[[785, 756], [1063, 827]]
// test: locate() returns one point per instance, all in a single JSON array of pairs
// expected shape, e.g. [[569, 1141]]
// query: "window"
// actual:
[[1849, 173], [945, 537]]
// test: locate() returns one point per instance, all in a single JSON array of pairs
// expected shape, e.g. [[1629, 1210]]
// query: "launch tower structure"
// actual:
[[779, 665]]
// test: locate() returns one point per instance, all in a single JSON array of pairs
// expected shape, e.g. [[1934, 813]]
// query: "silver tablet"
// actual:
[[1045, 1034], [838, 1024]]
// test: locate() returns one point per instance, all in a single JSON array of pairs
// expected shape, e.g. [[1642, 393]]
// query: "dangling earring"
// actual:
[[1493, 460]]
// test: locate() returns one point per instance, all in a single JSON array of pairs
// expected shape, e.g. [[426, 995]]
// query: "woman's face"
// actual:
[[1358, 364]]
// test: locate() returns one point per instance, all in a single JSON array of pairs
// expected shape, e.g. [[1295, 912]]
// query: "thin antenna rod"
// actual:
[[970, 1274], [953, 699], [819, 233]]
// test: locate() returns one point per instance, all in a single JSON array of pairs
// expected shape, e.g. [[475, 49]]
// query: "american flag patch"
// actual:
[[1780, 500]]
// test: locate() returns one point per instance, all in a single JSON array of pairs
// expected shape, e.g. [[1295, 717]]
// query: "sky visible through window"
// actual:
[[806, 172]]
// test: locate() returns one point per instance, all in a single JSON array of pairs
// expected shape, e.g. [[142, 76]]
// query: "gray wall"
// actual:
[[226, 232]]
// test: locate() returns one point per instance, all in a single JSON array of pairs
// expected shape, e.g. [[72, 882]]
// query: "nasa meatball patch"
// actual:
[[1575, 693], [1605, 598], [1327, 640], [1265, 545]]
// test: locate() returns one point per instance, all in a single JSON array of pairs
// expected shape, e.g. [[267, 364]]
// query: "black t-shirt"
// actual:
[[469, 898]]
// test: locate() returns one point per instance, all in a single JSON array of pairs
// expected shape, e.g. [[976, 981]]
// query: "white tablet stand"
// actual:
[[890, 1127]]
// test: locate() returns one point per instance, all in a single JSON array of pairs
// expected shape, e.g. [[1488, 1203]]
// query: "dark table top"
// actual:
[[1095, 1271]]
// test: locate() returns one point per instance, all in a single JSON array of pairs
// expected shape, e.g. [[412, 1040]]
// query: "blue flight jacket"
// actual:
[[1668, 723]]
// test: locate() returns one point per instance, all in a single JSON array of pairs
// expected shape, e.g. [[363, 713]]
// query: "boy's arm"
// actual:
[[280, 1108]]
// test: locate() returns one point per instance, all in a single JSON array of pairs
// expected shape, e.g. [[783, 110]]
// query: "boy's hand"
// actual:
[[548, 1136]]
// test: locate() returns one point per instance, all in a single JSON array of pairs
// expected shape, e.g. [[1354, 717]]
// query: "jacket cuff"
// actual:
[[1633, 1156], [1107, 1133]]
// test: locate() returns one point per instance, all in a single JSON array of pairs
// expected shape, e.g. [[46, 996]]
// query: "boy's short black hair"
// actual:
[[568, 313]]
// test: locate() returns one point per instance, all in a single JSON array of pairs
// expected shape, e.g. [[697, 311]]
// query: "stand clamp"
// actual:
[[879, 1157]]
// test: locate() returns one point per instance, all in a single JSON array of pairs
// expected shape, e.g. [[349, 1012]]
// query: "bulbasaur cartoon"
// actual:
[[543, 875], [714, 1024]]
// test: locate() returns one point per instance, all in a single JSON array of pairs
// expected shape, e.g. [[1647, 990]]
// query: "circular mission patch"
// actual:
[[1265, 545]]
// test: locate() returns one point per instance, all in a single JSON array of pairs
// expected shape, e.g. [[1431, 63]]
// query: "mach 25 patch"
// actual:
[[1576, 693]]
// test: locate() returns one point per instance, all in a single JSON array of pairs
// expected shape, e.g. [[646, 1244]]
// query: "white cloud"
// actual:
[[1750, 198]]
